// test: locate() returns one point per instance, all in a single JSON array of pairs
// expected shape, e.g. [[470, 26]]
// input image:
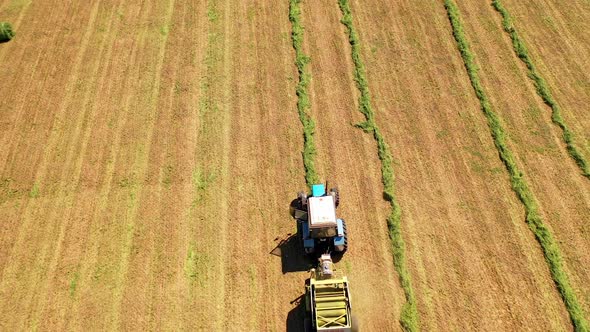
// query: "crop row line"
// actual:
[[409, 314], [519, 185], [303, 103], [541, 86]]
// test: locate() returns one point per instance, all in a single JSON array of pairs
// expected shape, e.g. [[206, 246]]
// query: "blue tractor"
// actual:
[[320, 230]]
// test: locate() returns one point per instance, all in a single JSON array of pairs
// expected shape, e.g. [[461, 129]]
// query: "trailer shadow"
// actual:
[[291, 252], [296, 317]]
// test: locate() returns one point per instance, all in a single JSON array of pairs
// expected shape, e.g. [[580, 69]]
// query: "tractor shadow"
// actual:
[[296, 317], [293, 259]]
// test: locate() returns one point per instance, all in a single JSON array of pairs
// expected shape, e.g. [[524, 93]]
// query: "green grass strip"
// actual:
[[6, 32], [303, 103], [519, 185], [541, 86], [409, 314]]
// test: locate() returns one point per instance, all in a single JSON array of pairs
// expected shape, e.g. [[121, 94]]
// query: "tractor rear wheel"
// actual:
[[345, 236], [336, 194]]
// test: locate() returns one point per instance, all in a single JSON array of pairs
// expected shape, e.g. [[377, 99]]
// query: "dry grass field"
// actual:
[[149, 151]]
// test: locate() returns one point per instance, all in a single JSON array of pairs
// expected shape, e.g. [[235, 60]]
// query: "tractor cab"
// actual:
[[320, 229]]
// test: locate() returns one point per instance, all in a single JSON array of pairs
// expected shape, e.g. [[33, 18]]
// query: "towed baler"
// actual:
[[327, 300]]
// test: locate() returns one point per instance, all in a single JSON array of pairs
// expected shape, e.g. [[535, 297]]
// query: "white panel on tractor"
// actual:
[[322, 212]]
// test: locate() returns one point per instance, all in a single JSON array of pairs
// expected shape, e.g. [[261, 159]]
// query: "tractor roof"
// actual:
[[318, 190], [322, 212]]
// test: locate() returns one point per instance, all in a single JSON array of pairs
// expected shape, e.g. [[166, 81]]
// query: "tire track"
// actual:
[[65, 196], [62, 281], [205, 259], [149, 297]]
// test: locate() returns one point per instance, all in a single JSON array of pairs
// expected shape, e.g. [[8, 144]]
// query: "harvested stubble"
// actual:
[[6, 32]]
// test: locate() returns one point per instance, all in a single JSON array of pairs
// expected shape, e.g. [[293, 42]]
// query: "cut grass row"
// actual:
[[303, 103], [533, 219], [541, 86], [409, 314], [6, 32]]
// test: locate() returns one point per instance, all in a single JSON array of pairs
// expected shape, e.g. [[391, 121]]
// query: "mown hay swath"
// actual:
[[541, 86], [520, 186], [303, 103], [409, 314], [6, 32]]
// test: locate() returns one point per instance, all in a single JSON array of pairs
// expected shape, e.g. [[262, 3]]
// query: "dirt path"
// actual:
[[470, 253]]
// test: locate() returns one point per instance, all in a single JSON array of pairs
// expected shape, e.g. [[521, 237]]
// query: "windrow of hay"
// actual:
[[541, 86], [303, 103], [549, 246], [6, 32], [409, 314]]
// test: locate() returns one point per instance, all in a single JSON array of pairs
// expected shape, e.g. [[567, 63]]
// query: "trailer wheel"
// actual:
[[307, 325]]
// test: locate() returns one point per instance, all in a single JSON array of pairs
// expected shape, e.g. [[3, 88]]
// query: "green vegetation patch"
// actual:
[[74, 283], [303, 103], [409, 315], [541, 86], [195, 267], [6, 32], [519, 185]]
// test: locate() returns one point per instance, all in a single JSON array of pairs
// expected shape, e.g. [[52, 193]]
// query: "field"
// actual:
[[149, 152]]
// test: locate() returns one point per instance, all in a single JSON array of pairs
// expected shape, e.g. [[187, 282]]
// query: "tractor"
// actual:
[[327, 300], [320, 230]]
